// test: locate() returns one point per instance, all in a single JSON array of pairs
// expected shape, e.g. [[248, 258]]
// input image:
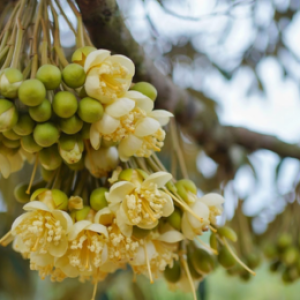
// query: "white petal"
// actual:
[[98, 228], [95, 137], [142, 101], [41, 260], [60, 249], [129, 146], [201, 210], [35, 205], [212, 199], [16, 162], [20, 219], [120, 107], [64, 264], [123, 225], [158, 178], [107, 124], [64, 219], [162, 116], [148, 226], [140, 258], [168, 207], [5, 167], [95, 58], [104, 216], [186, 228], [124, 62], [171, 237], [118, 191], [146, 126], [77, 228]]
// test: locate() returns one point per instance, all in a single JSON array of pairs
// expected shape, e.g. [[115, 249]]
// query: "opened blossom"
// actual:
[[131, 122], [108, 76], [140, 203]]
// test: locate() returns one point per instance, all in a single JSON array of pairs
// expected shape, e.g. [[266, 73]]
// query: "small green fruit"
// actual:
[[50, 76], [228, 233], [11, 135], [90, 110], [10, 81], [225, 258], [29, 144], [32, 92], [8, 115], [64, 104], [46, 134], [85, 131], [42, 112], [97, 199], [20, 193], [73, 76], [173, 274]]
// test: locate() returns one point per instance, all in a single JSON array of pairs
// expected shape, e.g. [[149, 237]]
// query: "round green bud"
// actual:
[[97, 198], [73, 76], [140, 233], [252, 260], [203, 261], [171, 186], [20, 193], [225, 258], [24, 125], [8, 115], [50, 76], [245, 276], [173, 274], [270, 251], [47, 174], [50, 158], [287, 276], [32, 92], [80, 215], [42, 112], [175, 219], [290, 255], [196, 275], [60, 199], [274, 266], [90, 110], [213, 241], [284, 240], [71, 125], [185, 186], [46, 134], [146, 88], [65, 104], [11, 144], [228, 233], [80, 54], [11, 135], [29, 144], [76, 166], [85, 131], [10, 80]]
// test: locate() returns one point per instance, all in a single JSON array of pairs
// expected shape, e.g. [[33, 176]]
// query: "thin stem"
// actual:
[[188, 273], [33, 173], [80, 29], [65, 17], [207, 247]]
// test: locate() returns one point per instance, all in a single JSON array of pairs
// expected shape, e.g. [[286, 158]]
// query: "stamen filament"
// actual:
[[214, 230], [33, 173], [207, 247], [188, 273], [148, 264], [95, 291], [8, 238]]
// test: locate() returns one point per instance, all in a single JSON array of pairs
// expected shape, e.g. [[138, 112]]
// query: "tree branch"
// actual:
[[108, 30]]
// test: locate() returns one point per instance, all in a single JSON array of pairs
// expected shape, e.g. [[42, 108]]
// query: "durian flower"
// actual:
[[43, 263], [87, 250], [140, 203], [131, 122], [10, 161], [41, 230], [108, 76], [206, 208]]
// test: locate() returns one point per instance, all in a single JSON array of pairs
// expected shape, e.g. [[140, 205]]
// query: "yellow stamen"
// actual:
[[188, 273], [207, 247], [8, 238], [36, 244], [213, 229], [33, 173], [149, 211], [95, 291], [148, 264]]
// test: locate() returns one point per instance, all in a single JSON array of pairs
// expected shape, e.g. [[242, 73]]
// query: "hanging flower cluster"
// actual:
[[105, 200]]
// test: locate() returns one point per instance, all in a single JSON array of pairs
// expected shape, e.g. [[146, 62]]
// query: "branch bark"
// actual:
[[108, 30]]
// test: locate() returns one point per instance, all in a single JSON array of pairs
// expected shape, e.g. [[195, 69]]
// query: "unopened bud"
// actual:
[[90, 110], [80, 215], [213, 241], [146, 89], [47, 174], [24, 125], [50, 158], [80, 54], [29, 144], [225, 258], [10, 143], [50, 76], [71, 148], [42, 112], [20, 193], [97, 198], [202, 260], [71, 125], [11, 135], [8, 115], [185, 186], [60, 199], [10, 81], [76, 166], [46, 134], [32, 92], [73, 76], [64, 104], [173, 274], [140, 233], [175, 219], [85, 131], [228, 233]]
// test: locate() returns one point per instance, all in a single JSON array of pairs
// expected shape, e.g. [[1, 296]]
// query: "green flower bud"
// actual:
[[60, 199], [290, 255], [270, 251], [227, 233], [140, 233], [97, 198], [173, 274], [288, 276], [29, 144], [225, 258], [131, 175], [143, 174], [213, 241], [71, 148], [50, 158], [245, 276], [73, 76], [253, 260], [171, 187], [90, 110], [85, 131], [71, 125], [192, 269], [79, 215], [274, 266], [42, 112], [10, 143], [20, 193], [24, 125], [203, 261], [76, 166], [80, 54], [50, 76], [175, 219], [32, 92], [8, 115], [47, 174], [185, 186], [11, 135], [46, 134], [147, 89], [10, 80], [64, 104], [284, 240]]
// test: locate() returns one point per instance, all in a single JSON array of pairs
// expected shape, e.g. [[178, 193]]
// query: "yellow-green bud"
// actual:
[[50, 76], [213, 241], [173, 274], [20, 193], [80, 215], [225, 258], [90, 110], [47, 174], [10, 80], [228, 233], [131, 175], [97, 198], [171, 186], [11, 135], [73, 76], [50, 158], [24, 125], [71, 148], [32, 92], [29, 144], [203, 261], [140, 233], [284, 240], [175, 219], [253, 260], [270, 251], [64, 104], [42, 112], [245, 276], [76, 166], [184, 186], [10, 143], [71, 125], [193, 271], [80, 54], [60, 199], [46, 134], [147, 89], [274, 266], [290, 255], [142, 173], [85, 131], [8, 115]]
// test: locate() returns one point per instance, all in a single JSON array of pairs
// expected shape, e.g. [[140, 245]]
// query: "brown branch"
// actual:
[[108, 30]]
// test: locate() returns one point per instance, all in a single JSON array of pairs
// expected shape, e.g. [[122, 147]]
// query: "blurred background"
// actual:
[[241, 58]]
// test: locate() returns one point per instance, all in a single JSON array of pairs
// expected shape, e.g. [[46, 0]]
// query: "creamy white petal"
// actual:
[[104, 216], [41, 260], [64, 219], [212, 199], [65, 266], [120, 107], [171, 237], [20, 219], [107, 124], [146, 126], [60, 249], [98, 228], [168, 207], [35, 205], [95, 137], [186, 228], [158, 178], [140, 258], [201, 210], [5, 167], [118, 191], [161, 115], [77, 228], [124, 62], [148, 226], [129, 146], [123, 225], [142, 101], [95, 58]]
